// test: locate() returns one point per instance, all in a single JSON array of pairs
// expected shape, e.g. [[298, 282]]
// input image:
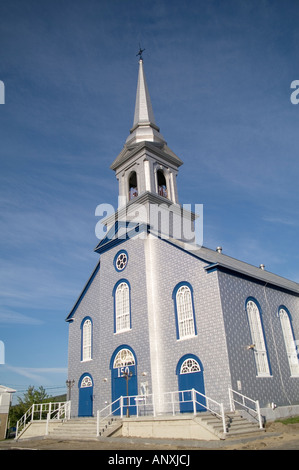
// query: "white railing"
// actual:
[[251, 406], [178, 398], [141, 404], [40, 412], [169, 402], [62, 412]]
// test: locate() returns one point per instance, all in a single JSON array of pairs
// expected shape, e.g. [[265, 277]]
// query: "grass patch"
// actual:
[[291, 420]]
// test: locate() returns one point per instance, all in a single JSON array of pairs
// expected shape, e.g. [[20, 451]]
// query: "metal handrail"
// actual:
[[124, 402], [176, 397], [198, 398], [40, 412], [242, 402], [62, 412]]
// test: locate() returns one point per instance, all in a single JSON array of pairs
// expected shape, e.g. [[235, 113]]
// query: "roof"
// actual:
[[214, 260], [161, 150], [85, 288], [4, 389], [221, 260]]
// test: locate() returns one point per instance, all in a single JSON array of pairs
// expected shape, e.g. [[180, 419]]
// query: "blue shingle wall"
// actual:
[[280, 388], [222, 327]]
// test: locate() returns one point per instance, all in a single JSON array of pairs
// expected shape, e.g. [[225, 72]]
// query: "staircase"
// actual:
[[83, 429], [236, 425]]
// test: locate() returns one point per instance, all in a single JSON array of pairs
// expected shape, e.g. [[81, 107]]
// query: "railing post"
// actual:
[[98, 423], [231, 401], [223, 418], [32, 412], [193, 401], [258, 410], [121, 407], [47, 424], [172, 402]]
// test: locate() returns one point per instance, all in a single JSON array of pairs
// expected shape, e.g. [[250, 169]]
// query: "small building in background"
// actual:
[[5, 402]]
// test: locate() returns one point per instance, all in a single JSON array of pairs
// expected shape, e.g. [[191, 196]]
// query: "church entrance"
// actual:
[[85, 396], [190, 375], [124, 379]]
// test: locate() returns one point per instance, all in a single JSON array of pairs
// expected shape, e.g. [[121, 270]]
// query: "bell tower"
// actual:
[[146, 170], [146, 167]]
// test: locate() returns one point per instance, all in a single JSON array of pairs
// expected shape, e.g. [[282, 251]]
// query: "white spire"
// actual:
[[144, 125], [143, 106]]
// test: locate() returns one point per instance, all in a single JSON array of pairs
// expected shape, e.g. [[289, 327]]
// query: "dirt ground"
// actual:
[[277, 437]]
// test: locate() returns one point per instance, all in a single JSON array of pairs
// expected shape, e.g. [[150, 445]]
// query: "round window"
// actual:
[[121, 260]]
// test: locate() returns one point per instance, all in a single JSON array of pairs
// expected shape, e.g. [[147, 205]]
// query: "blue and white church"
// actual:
[[158, 315]]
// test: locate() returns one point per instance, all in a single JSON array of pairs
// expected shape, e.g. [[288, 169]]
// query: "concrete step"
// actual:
[[84, 428], [235, 424]]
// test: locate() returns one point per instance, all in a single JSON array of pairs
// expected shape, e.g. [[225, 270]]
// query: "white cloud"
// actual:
[[10, 316], [38, 374], [282, 220]]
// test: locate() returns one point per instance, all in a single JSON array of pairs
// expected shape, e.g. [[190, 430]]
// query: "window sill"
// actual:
[[186, 337], [264, 376], [122, 331]]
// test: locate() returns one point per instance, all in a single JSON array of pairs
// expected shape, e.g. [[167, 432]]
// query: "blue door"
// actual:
[[190, 375], [124, 380], [85, 396]]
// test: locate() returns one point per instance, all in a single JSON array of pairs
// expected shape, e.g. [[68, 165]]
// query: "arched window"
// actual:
[[257, 337], [133, 188], [124, 358], [185, 320], [162, 188], [189, 366], [86, 382], [86, 339], [289, 341], [122, 307]]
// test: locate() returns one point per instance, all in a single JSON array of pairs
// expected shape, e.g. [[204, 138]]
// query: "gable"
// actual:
[[84, 291], [119, 233]]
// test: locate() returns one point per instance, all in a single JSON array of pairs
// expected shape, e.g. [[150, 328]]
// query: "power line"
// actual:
[[45, 388]]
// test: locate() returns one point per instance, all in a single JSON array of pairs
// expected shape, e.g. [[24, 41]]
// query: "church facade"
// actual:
[[158, 315]]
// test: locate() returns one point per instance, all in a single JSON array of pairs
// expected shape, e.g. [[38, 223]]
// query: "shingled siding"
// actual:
[[154, 269], [280, 387], [173, 266], [170, 266], [98, 303]]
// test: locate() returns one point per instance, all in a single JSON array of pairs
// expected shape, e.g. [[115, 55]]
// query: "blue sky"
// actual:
[[219, 75]]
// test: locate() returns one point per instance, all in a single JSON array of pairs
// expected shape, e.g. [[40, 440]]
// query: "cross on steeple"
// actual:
[[140, 52]]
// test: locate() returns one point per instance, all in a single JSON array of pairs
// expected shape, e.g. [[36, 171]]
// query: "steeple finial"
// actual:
[[140, 53]]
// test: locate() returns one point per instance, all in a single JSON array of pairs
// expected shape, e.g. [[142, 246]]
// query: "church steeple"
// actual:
[[144, 125], [146, 167]]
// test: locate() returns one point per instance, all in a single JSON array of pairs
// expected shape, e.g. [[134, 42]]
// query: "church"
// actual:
[[161, 314]]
